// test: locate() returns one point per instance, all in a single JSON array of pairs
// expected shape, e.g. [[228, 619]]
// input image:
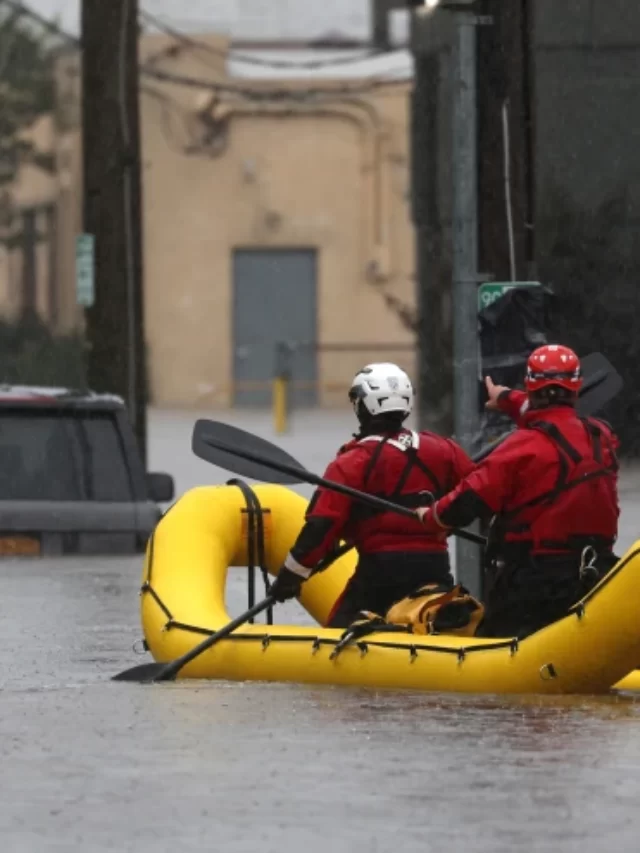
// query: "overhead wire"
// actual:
[[262, 91], [172, 112], [52, 27], [248, 59], [259, 91]]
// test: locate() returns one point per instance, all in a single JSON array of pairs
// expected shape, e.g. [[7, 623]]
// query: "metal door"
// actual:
[[274, 308]]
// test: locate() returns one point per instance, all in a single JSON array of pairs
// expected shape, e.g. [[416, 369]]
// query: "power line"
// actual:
[[264, 93], [257, 93], [311, 64], [188, 40], [170, 111], [52, 27]]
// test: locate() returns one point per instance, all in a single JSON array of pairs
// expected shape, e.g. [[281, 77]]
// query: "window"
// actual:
[[61, 456], [107, 462]]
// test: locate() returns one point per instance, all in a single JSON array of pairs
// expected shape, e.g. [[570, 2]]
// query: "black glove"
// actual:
[[369, 623], [287, 585]]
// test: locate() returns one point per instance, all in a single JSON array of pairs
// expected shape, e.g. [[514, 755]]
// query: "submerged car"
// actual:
[[71, 476]]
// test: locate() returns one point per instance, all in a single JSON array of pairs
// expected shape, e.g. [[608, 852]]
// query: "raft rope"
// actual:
[[255, 532], [267, 639], [255, 543], [255, 517]]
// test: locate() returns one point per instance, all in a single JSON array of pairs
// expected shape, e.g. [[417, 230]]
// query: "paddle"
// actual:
[[602, 383], [147, 673], [233, 460], [220, 443], [249, 455]]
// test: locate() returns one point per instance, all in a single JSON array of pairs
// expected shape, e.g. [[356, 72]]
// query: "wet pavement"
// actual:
[[92, 765]]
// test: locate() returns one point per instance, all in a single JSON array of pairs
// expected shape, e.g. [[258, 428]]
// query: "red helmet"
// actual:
[[553, 364]]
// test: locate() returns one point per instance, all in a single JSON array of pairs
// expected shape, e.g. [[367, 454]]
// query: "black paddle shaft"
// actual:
[[149, 672], [315, 480]]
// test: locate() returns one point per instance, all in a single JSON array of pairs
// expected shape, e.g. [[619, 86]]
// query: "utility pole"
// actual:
[[433, 259], [466, 347], [113, 203], [444, 145], [433, 256]]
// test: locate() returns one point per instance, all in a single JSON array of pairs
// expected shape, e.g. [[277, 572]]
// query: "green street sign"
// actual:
[[85, 270], [492, 290]]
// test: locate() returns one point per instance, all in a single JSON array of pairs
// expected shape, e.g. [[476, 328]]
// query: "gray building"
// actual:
[[587, 170], [569, 75]]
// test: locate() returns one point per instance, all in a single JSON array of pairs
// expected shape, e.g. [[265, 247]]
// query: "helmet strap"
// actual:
[[552, 395], [388, 423]]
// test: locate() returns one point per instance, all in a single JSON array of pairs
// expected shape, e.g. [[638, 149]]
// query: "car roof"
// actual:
[[26, 396]]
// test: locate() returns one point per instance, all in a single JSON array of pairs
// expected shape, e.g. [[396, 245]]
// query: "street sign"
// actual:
[[490, 291], [85, 270]]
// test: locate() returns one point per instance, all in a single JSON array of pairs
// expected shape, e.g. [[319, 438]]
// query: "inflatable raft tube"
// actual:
[[630, 683], [205, 532]]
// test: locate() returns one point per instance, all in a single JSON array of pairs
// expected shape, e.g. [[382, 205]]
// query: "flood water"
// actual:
[[88, 764]]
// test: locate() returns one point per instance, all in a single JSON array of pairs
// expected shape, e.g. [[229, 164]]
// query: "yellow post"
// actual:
[[279, 404]]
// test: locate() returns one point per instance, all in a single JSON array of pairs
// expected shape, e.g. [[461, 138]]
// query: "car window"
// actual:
[[61, 456], [40, 458], [110, 480]]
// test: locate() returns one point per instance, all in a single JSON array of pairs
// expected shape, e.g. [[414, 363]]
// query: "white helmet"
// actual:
[[381, 388]]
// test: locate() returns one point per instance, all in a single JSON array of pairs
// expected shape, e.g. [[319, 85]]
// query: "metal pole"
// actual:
[[465, 263]]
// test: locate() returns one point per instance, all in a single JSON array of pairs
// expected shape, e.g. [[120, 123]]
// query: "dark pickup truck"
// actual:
[[71, 477]]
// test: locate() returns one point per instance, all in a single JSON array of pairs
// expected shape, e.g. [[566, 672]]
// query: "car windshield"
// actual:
[[61, 456]]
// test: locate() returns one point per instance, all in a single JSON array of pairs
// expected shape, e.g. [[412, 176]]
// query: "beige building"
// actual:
[[28, 239], [273, 226]]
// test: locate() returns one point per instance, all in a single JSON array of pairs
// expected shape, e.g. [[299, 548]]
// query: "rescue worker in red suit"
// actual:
[[396, 554], [551, 491]]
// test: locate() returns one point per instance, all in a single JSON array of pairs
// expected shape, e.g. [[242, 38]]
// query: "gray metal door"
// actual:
[[274, 303]]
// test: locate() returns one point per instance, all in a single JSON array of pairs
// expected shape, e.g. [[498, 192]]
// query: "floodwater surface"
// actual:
[[88, 764]]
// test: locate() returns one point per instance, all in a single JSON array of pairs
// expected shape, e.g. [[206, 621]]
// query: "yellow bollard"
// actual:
[[279, 404]]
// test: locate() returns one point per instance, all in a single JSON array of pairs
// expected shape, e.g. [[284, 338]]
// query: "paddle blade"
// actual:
[[145, 673], [232, 436], [602, 383]]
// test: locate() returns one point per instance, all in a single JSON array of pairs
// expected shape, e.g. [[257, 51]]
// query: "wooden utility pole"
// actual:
[[113, 204], [433, 257], [433, 267]]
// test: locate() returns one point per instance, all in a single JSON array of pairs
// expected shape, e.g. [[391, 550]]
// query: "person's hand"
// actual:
[[366, 623], [427, 517], [494, 392], [287, 585]]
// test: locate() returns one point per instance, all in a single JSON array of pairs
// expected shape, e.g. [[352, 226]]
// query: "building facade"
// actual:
[[276, 224], [28, 239]]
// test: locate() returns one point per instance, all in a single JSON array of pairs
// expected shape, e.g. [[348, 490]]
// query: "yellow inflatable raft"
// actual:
[[210, 529]]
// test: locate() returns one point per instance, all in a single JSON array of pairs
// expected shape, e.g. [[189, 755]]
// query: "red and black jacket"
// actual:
[[400, 467], [552, 484]]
